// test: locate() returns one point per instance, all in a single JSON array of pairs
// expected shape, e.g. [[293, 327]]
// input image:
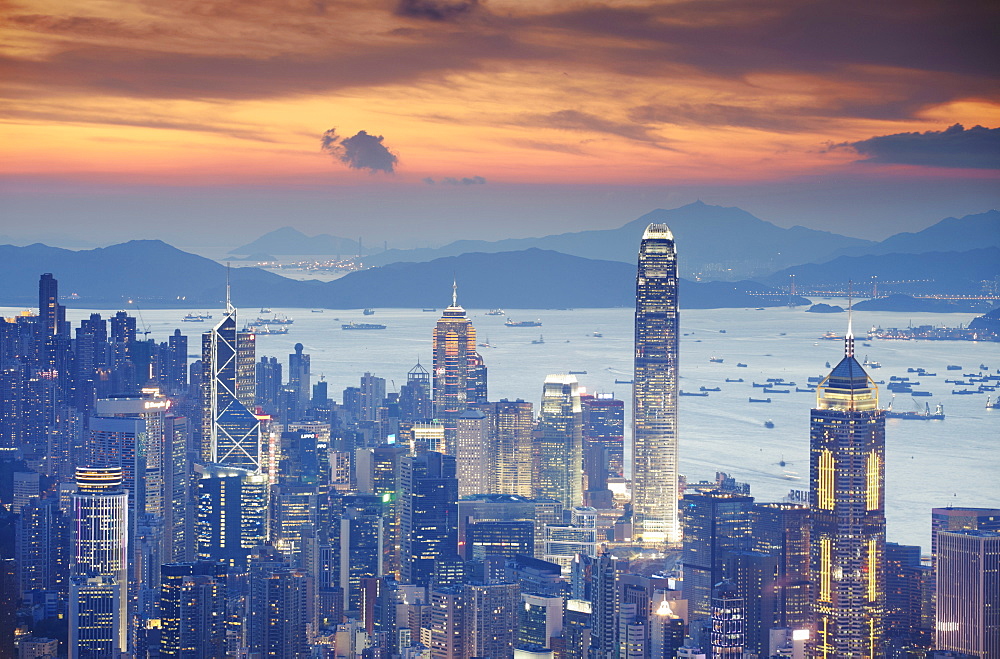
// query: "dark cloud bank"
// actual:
[[975, 148]]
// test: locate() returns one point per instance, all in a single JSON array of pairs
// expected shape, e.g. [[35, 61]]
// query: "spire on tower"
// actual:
[[229, 305], [454, 292], [849, 337]]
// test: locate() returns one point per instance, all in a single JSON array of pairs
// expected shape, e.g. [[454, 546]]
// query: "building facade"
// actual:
[[230, 430], [847, 495], [560, 447], [654, 443]]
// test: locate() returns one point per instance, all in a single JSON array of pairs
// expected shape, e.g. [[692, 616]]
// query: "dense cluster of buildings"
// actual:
[[229, 507]]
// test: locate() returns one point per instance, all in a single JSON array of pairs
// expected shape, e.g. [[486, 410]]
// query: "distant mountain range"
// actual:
[[291, 242], [949, 235], [156, 275], [927, 273], [713, 242]]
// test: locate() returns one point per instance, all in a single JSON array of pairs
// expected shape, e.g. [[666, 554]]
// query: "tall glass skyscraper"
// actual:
[[847, 495], [654, 443], [560, 447], [99, 541], [230, 430]]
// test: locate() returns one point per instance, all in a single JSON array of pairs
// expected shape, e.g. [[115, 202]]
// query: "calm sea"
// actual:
[[928, 463]]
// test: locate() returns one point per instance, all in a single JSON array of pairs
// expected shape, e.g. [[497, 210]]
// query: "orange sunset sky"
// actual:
[[184, 119]]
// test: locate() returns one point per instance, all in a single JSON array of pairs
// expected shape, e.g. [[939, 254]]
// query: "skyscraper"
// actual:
[[968, 592], [511, 426], [99, 544], [560, 449], [457, 368], [299, 377], [715, 523], [192, 610], [429, 518], [232, 514], [847, 494], [654, 443], [231, 432], [475, 460]]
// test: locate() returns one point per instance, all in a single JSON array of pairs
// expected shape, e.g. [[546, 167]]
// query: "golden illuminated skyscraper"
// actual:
[[847, 494], [654, 443], [459, 374]]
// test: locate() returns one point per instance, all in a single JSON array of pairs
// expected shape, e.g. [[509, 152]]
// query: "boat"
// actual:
[[715, 360], [496, 312], [984, 367], [428, 309], [831, 336], [617, 381], [734, 379], [740, 365], [769, 424], [253, 328], [953, 367], [486, 343], [265, 310], [578, 372], [722, 331], [694, 393], [759, 385], [992, 404], [539, 341], [597, 335], [362, 326], [964, 392], [769, 390], [369, 312], [523, 323], [921, 393], [275, 320], [192, 318], [760, 400], [814, 380], [926, 415], [710, 388], [806, 390], [317, 310]]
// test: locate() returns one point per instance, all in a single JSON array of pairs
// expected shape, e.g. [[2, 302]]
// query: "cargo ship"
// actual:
[[362, 326]]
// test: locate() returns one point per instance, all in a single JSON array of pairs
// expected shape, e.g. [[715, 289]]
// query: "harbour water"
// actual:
[[928, 463]]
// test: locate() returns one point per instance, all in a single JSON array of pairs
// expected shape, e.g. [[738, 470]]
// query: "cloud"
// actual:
[[362, 151], [574, 120], [451, 180], [435, 10], [975, 148]]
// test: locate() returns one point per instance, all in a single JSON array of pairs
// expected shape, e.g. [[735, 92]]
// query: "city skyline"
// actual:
[[350, 529]]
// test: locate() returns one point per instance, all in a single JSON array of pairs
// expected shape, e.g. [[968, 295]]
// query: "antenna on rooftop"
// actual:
[[849, 338]]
